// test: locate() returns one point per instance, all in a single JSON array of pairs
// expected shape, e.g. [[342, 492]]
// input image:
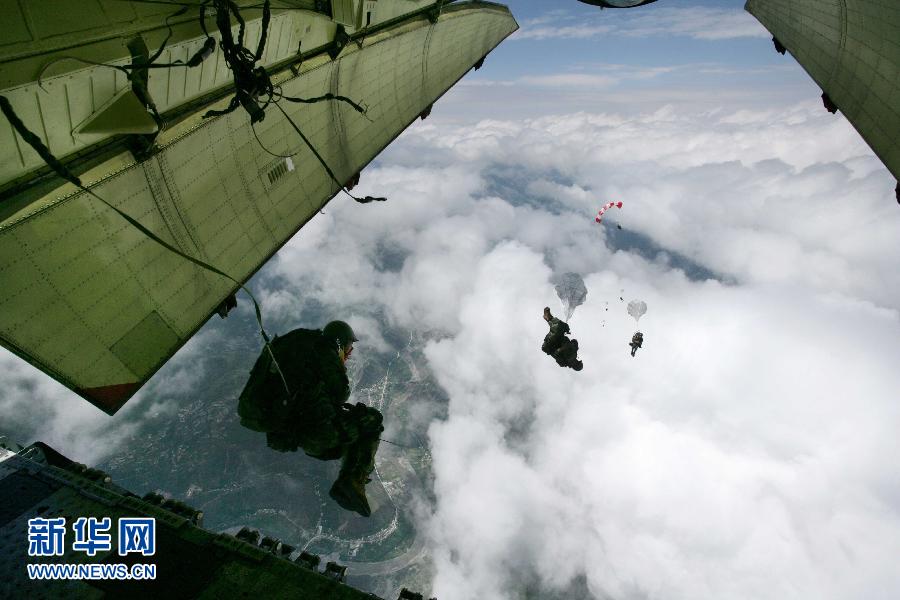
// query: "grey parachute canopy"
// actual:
[[572, 292], [637, 308]]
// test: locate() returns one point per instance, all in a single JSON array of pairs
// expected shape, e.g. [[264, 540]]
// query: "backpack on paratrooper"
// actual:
[[264, 404]]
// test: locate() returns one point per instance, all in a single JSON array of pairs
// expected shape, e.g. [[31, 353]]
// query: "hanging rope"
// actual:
[[254, 89], [35, 142], [209, 46], [250, 81], [400, 445], [322, 160]]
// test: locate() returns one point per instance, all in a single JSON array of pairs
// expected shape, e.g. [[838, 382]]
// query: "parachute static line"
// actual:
[[606, 207], [35, 142], [251, 82], [208, 47], [328, 170], [140, 65], [396, 444]]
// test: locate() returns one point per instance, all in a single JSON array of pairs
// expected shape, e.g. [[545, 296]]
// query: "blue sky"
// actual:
[[621, 45], [691, 49]]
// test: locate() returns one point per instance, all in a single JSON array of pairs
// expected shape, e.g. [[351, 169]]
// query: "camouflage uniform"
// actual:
[[556, 337], [636, 341], [316, 416], [567, 355], [563, 350]]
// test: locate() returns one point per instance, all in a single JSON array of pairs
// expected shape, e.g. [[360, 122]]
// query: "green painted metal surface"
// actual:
[[96, 304], [851, 48], [71, 94]]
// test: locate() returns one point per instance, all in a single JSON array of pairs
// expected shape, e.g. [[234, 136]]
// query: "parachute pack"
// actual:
[[264, 404]]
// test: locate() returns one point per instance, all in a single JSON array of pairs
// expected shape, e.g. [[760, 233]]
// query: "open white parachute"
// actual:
[[572, 292], [637, 308]]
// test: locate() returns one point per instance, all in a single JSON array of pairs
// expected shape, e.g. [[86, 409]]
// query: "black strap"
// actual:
[[37, 144], [322, 160]]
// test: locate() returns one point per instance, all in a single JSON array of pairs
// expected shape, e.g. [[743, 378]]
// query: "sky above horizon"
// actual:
[[748, 450], [577, 56]]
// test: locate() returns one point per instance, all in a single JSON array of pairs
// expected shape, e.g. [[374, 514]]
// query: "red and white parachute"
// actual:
[[606, 207]]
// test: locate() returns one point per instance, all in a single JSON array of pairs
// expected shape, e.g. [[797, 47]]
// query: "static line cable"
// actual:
[[323, 163], [209, 46], [329, 96], [205, 52], [266, 150], [35, 142], [250, 82], [400, 445], [162, 46], [324, 98]]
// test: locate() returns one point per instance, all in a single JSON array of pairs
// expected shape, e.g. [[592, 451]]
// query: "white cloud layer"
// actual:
[[746, 452], [788, 196], [698, 22]]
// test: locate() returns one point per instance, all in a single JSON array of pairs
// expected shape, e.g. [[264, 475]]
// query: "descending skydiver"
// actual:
[[558, 345], [636, 340], [300, 401], [637, 309]]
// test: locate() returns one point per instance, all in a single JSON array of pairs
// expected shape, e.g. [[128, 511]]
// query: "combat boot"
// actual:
[[349, 492]]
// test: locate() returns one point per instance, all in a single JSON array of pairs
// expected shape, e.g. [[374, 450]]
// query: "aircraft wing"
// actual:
[[90, 300], [851, 49]]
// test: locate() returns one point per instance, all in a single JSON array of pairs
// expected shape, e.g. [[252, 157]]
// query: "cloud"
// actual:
[[37, 408], [580, 80], [585, 77], [741, 454], [788, 196], [576, 81], [744, 452], [697, 22], [580, 31]]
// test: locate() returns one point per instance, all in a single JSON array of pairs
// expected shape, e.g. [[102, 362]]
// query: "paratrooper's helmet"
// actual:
[[341, 331]]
